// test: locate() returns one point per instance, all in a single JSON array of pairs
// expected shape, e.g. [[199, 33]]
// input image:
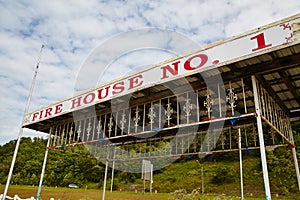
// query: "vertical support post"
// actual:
[[113, 171], [296, 166], [105, 177], [44, 166], [129, 120], [244, 96], [241, 164], [112, 176], [202, 180], [198, 109], [144, 117], [144, 186], [219, 97], [230, 137], [94, 128], [295, 158], [143, 176], [21, 129], [151, 178], [159, 114], [261, 139], [202, 177], [177, 111], [116, 124], [187, 112]]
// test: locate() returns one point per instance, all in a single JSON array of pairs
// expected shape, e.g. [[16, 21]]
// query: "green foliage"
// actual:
[[221, 171], [72, 165], [296, 132], [225, 174], [282, 171]]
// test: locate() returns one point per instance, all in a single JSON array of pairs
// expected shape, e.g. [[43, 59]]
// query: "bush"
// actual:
[[224, 174]]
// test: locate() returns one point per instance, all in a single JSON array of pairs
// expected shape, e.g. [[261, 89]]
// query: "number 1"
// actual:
[[261, 44]]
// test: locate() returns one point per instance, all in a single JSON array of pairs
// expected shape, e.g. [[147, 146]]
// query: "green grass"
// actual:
[[185, 174], [77, 194], [92, 194]]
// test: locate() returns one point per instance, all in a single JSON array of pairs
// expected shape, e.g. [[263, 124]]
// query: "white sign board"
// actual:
[[147, 169], [212, 56]]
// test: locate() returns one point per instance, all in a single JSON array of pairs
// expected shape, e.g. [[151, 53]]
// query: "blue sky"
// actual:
[[71, 30]]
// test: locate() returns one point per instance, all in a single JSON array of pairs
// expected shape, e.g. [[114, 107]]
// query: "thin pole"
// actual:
[[144, 186], [296, 166], [112, 172], [295, 157], [105, 177], [21, 128], [143, 175], [241, 164], [202, 177], [44, 166], [261, 140], [244, 96], [112, 176], [151, 178], [202, 180]]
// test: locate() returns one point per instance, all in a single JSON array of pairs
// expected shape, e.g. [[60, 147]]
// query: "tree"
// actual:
[[224, 174], [282, 171]]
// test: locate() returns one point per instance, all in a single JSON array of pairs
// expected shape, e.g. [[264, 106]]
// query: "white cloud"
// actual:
[[256, 13], [72, 30]]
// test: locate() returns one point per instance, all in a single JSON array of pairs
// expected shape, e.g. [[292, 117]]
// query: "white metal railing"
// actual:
[[16, 197]]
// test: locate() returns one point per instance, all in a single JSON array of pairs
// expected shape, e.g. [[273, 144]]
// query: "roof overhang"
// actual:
[[271, 53]]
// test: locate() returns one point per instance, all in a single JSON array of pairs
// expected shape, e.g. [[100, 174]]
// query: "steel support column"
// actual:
[[241, 164], [295, 158], [44, 166], [113, 170], [261, 139], [105, 178], [296, 166]]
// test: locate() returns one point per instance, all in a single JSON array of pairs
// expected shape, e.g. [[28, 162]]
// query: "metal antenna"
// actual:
[[21, 127]]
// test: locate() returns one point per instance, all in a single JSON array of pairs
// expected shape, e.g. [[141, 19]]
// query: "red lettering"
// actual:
[[76, 102], [135, 82], [48, 112], [100, 93], [58, 108], [173, 71], [118, 88], [86, 99], [203, 58], [41, 114], [34, 116], [261, 43]]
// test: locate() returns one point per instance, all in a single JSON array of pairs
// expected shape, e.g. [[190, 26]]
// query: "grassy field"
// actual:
[[81, 194], [167, 180], [77, 194]]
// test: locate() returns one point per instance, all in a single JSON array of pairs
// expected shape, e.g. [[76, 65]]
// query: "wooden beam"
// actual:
[[270, 90], [290, 85]]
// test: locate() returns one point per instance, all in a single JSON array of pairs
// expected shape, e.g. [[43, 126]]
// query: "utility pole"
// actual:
[[21, 128]]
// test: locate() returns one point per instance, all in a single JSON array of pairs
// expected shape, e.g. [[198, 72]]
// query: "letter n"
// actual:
[[173, 71]]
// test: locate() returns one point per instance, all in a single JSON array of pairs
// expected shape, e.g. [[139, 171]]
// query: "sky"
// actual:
[[71, 30]]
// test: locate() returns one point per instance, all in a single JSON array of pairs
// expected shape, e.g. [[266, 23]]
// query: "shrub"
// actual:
[[224, 174]]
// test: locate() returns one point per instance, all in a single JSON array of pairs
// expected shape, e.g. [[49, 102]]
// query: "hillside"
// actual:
[[220, 171]]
